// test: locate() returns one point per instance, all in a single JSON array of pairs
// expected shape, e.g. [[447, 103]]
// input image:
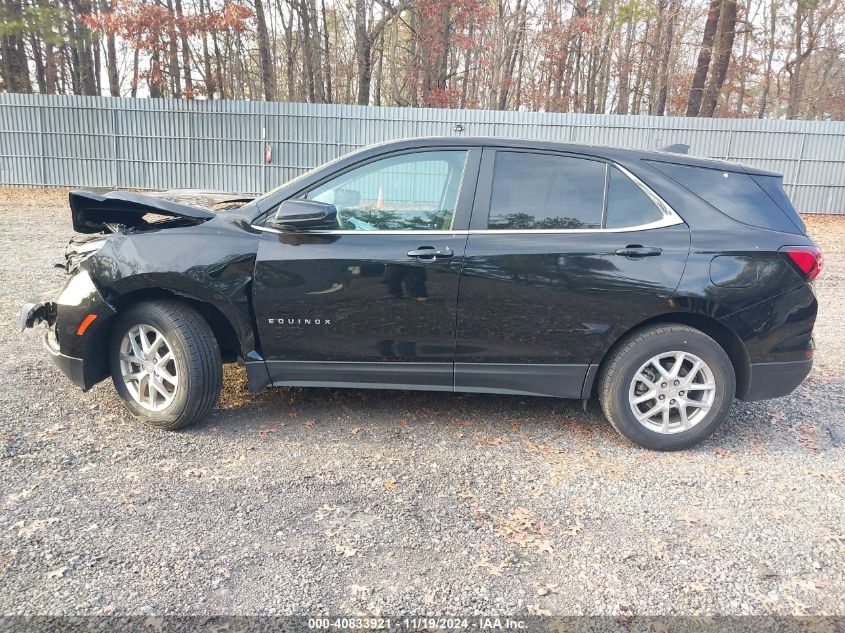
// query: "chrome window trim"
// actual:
[[670, 218], [661, 204], [668, 221]]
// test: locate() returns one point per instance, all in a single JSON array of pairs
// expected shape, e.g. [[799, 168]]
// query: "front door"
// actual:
[[564, 253], [373, 302]]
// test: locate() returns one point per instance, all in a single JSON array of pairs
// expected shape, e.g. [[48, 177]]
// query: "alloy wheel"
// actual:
[[148, 367], [672, 392]]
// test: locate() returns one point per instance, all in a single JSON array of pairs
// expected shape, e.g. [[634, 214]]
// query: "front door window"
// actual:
[[409, 192]]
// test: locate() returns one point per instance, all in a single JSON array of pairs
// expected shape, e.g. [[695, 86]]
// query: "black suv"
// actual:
[[664, 285]]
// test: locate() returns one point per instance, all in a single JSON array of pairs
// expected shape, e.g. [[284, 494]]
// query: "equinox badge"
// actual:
[[284, 321]]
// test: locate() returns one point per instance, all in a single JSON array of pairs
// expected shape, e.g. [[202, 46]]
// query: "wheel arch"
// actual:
[[230, 344], [716, 330]]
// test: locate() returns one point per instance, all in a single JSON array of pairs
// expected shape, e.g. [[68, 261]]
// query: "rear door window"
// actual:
[[546, 191]]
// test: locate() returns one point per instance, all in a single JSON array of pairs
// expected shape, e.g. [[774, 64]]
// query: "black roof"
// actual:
[[617, 154]]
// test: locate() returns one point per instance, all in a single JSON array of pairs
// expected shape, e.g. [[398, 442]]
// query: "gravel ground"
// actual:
[[306, 501]]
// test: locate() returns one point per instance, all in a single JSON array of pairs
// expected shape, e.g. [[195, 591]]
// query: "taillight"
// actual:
[[808, 259]]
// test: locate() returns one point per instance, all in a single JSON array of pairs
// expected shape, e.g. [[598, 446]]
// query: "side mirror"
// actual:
[[301, 215]]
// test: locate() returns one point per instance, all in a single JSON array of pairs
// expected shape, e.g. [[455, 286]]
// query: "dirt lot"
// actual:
[[305, 501]]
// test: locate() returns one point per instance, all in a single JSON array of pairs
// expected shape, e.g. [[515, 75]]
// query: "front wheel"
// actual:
[[667, 387], [165, 363]]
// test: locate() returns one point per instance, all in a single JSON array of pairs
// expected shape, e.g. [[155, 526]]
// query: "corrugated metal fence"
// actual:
[[162, 144]]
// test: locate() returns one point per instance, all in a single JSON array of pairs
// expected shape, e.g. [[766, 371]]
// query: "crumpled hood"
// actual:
[[93, 212], [212, 200]]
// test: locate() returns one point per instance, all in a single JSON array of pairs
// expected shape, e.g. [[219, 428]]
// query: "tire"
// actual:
[[190, 377], [618, 390]]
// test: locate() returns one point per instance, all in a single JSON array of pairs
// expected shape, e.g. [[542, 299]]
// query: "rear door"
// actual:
[[564, 252], [374, 302]]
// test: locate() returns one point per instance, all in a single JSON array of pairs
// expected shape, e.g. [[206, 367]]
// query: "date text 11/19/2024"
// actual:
[[484, 623]]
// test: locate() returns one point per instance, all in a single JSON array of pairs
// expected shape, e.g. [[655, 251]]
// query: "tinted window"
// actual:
[[733, 193], [416, 191], [543, 191], [627, 204], [773, 185]]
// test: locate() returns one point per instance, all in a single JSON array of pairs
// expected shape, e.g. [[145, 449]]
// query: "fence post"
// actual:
[[42, 157], [114, 172], [798, 169]]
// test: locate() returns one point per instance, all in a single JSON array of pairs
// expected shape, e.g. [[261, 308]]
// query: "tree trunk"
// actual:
[[15, 65], [362, 53], [135, 74], [663, 74], [742, 72], [770, 54], [111, 66], [156, 76], [268, 79], [186, 51], [625, 69], [793, 67], [696, 93], [38, 58], [290, 55], [173, 54], [87, 81], [723, 49], [327, 53], [210, 83], [218, 66], [51, 71]]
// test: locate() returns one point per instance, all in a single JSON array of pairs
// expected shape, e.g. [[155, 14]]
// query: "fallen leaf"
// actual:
[[492, 569], [492, 441], [346, 550], [536, 609]]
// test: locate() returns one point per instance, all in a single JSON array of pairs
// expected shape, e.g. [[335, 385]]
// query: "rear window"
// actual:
[[735, 194], [544, 191], [773, 186]]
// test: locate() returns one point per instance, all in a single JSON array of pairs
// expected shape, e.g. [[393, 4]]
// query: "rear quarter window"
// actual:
[[735, 194], [627, 204]]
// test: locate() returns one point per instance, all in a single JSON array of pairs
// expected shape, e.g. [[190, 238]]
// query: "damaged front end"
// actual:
[[132, 243], [120, 210], [76, 316]]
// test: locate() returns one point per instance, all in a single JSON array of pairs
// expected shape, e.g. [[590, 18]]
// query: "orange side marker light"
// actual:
[[85, 323]]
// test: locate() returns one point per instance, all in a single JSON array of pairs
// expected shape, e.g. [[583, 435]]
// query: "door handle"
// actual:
[[637, 251], [430, 254]]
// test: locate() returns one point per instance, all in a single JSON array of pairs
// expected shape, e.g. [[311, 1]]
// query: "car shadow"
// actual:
[[322, 413]]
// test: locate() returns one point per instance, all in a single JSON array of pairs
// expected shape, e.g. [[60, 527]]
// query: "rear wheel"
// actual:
[[667, 387], [165, 363]]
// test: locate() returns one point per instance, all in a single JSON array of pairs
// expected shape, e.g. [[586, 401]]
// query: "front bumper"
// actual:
[[73, 368], [78, 320], [773, 380]]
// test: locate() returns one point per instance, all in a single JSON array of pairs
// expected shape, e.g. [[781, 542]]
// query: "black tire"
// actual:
[[635, 350], [196, 356]]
